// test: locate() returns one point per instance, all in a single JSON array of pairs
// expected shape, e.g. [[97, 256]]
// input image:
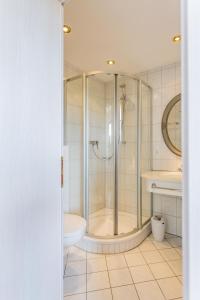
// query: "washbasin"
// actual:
[[163, 182]]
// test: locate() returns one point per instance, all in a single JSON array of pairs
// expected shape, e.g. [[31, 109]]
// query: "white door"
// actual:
[[30, 150]]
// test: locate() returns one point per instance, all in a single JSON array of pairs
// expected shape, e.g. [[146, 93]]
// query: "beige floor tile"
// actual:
[[141, 274], [94, 255], [76, 297], [75, 253], [150, 237], [149, 291], [171, 288], [180, 278], [162, 245], [179, 250], [176, 266], [75, 268], [116, 262], [120, 277], [127, 292], [147, 245], [135, 259], [100, 295], [74, 285], [96, 265], [97, 281], [170, 254], [161, 270], [152, 257], [134, 250]]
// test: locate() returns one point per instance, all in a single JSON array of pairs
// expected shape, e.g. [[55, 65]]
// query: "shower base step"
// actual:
[[116, 244]]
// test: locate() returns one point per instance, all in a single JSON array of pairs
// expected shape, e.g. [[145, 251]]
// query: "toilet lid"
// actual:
[[73, 224]]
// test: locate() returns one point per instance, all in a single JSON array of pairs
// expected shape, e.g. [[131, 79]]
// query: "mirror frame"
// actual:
[[165, 118]]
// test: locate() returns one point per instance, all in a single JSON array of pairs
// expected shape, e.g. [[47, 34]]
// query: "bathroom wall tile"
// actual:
[[74, 114], [169, 75], [179, 207], [155, 78], [169, 205], [178, 73], [179, 226], [171, 224]]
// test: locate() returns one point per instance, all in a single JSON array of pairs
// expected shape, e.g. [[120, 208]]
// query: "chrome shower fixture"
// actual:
[[122, 114], [96, 143], [123, 97]]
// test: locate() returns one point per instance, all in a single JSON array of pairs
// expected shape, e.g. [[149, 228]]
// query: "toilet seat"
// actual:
[[74, 229]]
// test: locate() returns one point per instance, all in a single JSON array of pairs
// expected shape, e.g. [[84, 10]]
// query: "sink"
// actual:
[[163, 182]]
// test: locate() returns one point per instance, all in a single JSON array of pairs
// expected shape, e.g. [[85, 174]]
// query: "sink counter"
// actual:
[[164, 182], [164, 175]]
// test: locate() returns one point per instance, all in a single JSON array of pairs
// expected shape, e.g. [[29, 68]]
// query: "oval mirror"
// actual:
[[171, 125]]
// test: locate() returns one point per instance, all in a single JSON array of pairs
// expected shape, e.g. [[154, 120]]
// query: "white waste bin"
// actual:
[[158, 228]]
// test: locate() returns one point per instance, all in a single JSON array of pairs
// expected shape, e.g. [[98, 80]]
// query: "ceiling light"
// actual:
[[176, 38], [67, 29], [110, 62]]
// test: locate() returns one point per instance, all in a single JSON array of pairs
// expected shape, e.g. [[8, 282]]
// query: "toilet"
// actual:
[[74, 229]]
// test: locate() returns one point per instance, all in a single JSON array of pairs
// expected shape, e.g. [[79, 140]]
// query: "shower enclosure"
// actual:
[[107, 148]]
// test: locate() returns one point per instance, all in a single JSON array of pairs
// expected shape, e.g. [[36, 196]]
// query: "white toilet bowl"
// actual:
[[74, 229]]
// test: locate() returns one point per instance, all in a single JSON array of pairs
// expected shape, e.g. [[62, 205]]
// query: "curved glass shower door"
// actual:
[[112, 154], [101, 155], [127, 97], [107, 148]]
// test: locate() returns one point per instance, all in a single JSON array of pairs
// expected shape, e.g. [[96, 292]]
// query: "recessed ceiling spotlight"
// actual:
[[176, 38], [110, 62], [67, 29]]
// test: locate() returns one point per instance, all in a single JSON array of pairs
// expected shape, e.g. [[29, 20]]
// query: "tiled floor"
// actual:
[[152, 271]]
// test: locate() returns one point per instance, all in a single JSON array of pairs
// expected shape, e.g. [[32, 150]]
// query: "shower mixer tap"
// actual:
[[94, 143]]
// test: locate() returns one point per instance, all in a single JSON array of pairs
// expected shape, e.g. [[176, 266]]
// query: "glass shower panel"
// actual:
[[146, 150], [100, 97], [127, 106], [73, 146]]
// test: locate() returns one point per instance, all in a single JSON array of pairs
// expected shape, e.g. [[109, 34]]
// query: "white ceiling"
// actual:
[[136, 33]]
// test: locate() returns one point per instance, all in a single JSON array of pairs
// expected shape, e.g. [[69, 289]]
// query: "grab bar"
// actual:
[[154, 186]]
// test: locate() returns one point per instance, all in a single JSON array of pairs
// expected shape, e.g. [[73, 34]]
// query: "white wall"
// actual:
[[30, 150], [191, 141]]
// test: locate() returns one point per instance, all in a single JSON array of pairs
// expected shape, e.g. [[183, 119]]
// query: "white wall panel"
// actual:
[[30, 150]]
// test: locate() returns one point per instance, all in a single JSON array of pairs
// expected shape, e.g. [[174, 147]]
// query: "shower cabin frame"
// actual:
[[85, 172]]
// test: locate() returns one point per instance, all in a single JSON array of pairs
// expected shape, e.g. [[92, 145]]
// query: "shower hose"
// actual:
[[97, 155]]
